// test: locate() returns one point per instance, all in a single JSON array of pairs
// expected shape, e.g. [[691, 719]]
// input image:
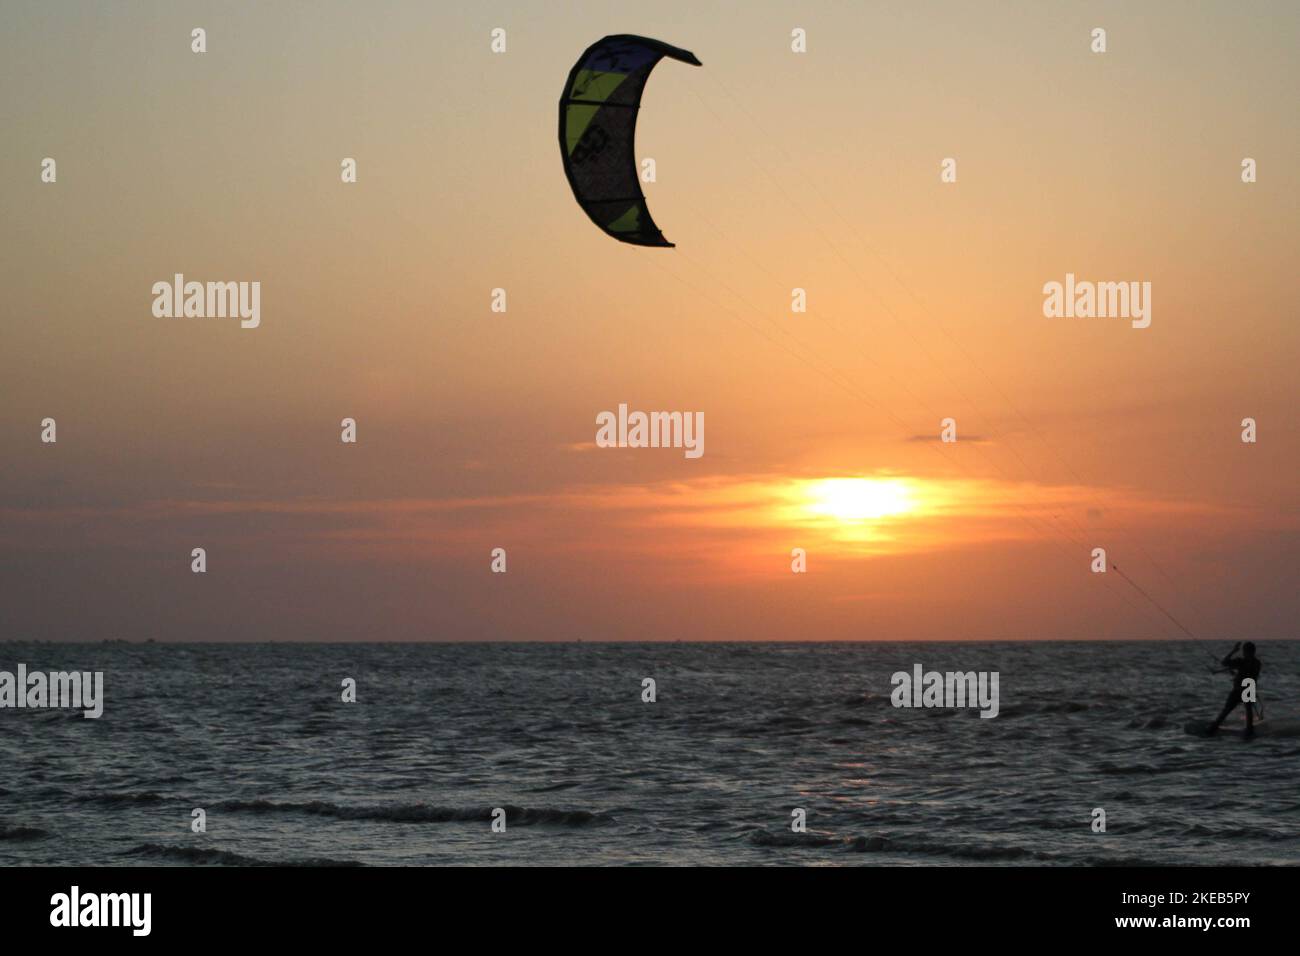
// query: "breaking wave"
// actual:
[[209, 856]]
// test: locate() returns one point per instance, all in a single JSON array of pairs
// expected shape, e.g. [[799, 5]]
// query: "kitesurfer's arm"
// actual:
[[1227, 661]]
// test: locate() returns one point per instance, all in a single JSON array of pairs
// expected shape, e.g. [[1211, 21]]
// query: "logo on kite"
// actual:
[[598, 111]]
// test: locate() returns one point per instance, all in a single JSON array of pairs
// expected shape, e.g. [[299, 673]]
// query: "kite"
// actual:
[[598, 111]]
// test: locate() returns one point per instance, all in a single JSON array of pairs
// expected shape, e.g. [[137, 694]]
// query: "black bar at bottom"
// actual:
[[656, 907]]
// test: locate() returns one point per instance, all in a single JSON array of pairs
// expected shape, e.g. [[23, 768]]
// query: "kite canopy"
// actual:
[[598, 111]]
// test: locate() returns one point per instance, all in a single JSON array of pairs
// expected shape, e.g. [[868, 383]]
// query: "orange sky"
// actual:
[[775, 170]]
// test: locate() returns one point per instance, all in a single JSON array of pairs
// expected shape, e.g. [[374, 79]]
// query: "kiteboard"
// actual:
[[1203, 728], [1263, 728]]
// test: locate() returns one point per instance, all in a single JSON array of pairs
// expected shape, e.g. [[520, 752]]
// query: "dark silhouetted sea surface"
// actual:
[[557, 734]]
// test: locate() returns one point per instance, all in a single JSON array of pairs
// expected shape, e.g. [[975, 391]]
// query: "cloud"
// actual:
[[729, 524], [961, 438]]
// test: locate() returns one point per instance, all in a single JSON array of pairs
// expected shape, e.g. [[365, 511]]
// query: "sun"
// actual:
[[858, 499]]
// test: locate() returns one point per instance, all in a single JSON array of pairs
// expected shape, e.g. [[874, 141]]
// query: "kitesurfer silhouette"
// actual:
[[1243, 668]]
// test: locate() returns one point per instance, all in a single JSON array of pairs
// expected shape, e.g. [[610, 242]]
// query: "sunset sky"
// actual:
[[775, 170]]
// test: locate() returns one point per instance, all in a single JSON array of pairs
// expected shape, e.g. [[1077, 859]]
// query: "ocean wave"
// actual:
[[1251, 833], [878, 843], [855, 722], [763, 837], [118, 799], [863, 700], [1121, 861], [419, 812], [199, 855], [868, 844], [1063, 707], [1120, 770], [969, 851], [22, 833], [392, 813], [985, 851]]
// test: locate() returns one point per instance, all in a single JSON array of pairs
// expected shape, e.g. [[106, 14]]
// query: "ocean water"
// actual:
[[741, 734]]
